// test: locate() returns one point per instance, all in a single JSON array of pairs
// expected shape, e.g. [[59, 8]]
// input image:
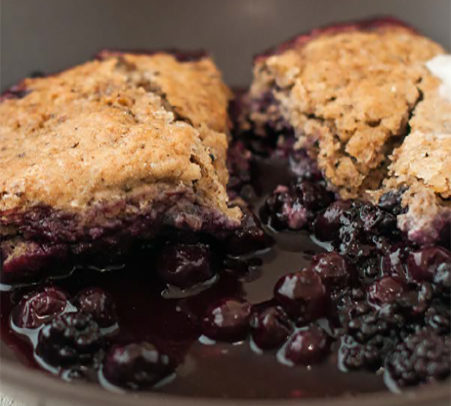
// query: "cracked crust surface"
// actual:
[[108, 153], [95, 132], [348, 93], [422, 165], [361, 100]]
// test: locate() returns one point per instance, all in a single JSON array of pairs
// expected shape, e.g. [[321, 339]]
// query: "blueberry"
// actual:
[[38, 308], [303, 166], [415, 301], [332, 269], [99, 304], [438, 318], [136, 366], [391, 202], [302, 294], [70, 338], [239, 167], [284, 210], [227, 320], [313, 196], [327, 224], [423, 264], [15, 92], [442, 279], [184, 265], [376, 220], [393, 262], [249, 237], [307, 346], [385, 290], [270, 326]]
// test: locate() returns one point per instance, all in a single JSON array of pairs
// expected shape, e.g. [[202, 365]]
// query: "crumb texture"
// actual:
[[363, 102], [349, 96], [99, 131], [422, 165]]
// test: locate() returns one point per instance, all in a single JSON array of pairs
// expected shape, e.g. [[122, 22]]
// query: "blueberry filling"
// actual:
[[98, 304], [184, 265], [40, 307], [227, 320], [70, 338], [307, 346], [136, 366], [270, 326], [265, 297]]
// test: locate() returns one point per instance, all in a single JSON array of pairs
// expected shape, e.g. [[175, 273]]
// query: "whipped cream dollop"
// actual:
[[440, 66]]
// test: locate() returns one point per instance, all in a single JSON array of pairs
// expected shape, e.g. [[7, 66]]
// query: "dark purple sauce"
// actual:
[[140, 308]]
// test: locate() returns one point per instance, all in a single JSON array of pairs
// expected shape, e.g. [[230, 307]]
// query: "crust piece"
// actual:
[[97, 146], [348, 93], [351, 94]]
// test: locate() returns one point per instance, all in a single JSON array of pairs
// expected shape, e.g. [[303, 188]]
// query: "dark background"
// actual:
[[50, 35]]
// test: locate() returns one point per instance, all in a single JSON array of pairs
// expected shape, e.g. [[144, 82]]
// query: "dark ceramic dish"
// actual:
[[318, 386]]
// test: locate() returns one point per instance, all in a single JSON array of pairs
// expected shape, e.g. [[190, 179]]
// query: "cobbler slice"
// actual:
[[110, 152], [350, 94]]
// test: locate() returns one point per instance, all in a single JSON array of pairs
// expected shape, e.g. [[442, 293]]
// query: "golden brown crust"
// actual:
[[349, 96], [422, 166], [100, 130]]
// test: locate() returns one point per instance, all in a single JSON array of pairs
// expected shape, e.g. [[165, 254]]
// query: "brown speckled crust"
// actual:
[[115, 132], [422, 164], [94, 132], [348, 94], [351, 93]]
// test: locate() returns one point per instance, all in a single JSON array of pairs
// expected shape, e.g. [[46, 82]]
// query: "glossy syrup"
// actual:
[[205, 367]]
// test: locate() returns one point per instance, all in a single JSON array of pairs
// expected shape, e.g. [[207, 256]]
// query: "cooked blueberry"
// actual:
[[238, 164], [420, 358], [332, 269], [270, 326], [391, 201], [227, 320], [99, 304], [15, 92], [70, 338], [368, 268], [307, 346], [303, 166], [185, 265], [393, 262], [438, 318], [416, 299], [136, 366], [423, 264], [385, 290], [302, 294], [249, 237], [376, 220], [284, 210], [328, 223], [442, 279], [313, 196], [39, 307]]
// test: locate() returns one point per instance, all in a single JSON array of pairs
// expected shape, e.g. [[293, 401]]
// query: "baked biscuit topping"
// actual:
[[422, 166], [97, 131], [349, 95], [363, 102], [108, 153]]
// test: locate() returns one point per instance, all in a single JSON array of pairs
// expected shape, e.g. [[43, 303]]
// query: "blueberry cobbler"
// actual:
[[159, 233]]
